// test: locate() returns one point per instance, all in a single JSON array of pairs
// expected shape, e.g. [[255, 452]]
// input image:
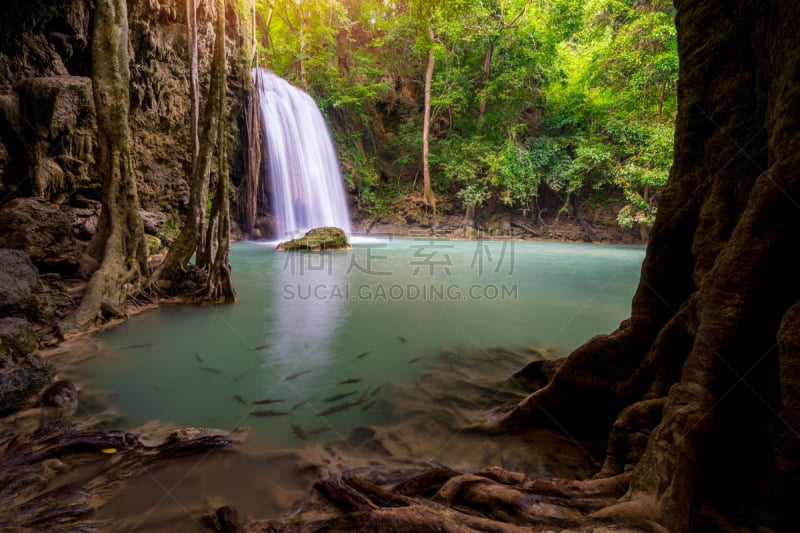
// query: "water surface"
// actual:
[[308, 328]]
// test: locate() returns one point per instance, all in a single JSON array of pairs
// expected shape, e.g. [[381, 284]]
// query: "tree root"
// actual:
[[441, 499], [32, 462], [629, 436]]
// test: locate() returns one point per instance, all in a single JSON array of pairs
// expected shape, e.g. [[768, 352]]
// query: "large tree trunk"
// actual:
[[219, 287], [119, 241], [697, 392], [430, 198], [192, 238]]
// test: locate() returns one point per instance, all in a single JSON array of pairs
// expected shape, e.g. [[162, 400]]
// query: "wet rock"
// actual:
[[43, 231], [18, 281], [264, 227], [22, 373], [61, 394], [17, 337], [317, 240]]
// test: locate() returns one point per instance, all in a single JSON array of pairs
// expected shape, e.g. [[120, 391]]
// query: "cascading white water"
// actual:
[[305, 181]]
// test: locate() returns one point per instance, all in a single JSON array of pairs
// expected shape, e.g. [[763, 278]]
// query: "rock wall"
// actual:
[[47, 123]]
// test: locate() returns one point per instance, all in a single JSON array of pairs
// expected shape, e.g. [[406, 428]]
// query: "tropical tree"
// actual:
[[118, 244], [207, 239]]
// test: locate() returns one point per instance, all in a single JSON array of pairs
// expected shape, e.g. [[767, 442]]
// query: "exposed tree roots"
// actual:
[[440, 499], [34, 464]]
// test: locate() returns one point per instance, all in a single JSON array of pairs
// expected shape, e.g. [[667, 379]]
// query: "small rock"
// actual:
[[317, 240], [61, 394]]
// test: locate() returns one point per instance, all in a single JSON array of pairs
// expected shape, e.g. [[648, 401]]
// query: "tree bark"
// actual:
[[192, 238], [430, 198], [119, 241], [194, 85], [487, 73], [219, 288]]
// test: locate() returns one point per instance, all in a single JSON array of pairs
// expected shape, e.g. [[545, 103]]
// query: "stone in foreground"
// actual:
[[318, 240]]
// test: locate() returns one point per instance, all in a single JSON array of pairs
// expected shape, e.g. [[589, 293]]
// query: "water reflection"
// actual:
[[309, 327], [305, 326]]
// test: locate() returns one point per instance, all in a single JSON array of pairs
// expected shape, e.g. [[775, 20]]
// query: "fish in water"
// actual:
[[243, 374], [136, 346], [262, 347], [298, 431], [349, 381], [317, 431], [401, 338], [337, 408], [210, 370], [377, 390], [339, 396], [268, 412], [299, 405], [266, 402], [199, 359], [240, 399], [363, 395], [412, 361], [155, 387], [369, 406], [362, 354], [297, 375]]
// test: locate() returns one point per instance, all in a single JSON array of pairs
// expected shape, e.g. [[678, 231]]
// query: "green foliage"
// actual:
[[563, 96]]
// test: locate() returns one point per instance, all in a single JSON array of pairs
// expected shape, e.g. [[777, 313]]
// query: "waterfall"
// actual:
[[305, 182]]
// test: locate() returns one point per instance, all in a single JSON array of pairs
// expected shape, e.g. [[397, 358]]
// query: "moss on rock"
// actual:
[[318, 240]]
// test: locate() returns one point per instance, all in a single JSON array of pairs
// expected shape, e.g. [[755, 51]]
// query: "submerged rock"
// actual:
[[318, 240], [60, 399]]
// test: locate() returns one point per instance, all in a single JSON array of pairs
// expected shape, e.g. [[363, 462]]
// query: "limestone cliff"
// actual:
[[47, 122]]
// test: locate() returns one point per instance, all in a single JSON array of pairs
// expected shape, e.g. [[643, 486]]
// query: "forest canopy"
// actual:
[[534, 104]]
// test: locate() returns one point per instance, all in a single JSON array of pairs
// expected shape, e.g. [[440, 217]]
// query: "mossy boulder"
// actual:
[[318, 240]]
